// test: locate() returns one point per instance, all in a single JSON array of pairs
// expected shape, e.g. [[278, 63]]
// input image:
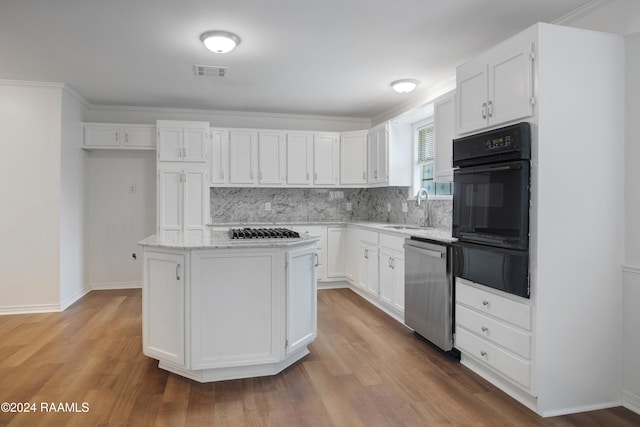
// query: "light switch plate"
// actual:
[[267, 206], [348, 206], [405, 208], [388, 207]]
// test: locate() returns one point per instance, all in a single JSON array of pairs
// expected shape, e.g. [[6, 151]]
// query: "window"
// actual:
[[425, 163]]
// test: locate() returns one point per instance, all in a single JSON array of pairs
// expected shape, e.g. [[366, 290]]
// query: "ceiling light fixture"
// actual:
[[220, 41], [404, 85]]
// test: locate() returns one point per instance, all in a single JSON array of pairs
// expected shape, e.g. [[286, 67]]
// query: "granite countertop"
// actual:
[[403, 230], [221, 240]]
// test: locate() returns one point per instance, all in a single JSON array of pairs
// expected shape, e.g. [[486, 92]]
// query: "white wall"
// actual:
[[631, 290], [118, 219], [30, 119], [73, 278], [623, 17]]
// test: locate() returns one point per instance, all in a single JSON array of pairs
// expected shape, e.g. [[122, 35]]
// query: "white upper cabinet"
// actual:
[[444, 132], [271, 158], [377, 158], [496, 87], [353, 158], [119, 136], [299, 158], [182, 141], [219, 157], [242, 156], [326, 159]]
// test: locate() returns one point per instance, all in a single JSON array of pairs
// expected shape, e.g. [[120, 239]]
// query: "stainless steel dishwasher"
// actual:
[[428, 296]]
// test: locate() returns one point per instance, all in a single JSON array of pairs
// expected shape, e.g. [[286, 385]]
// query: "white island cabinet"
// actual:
[[217, 309]]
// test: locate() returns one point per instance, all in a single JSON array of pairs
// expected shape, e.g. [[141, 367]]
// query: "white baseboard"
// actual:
[[631, 401], [115, 285], [73, 298], [30, 309], [333, 284]]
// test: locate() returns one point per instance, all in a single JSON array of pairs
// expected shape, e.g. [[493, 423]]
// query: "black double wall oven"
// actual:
[[491, 208]]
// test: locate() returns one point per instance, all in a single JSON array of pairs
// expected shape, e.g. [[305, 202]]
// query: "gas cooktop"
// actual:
[[262, 233]]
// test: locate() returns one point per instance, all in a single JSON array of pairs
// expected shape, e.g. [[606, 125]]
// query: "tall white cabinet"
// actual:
[[182, 178], [562, 352]]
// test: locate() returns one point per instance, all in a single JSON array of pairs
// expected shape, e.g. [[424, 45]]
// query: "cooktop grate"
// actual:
[[262, 233]]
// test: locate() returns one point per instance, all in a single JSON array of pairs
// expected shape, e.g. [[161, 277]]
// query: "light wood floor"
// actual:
[[365, 369]]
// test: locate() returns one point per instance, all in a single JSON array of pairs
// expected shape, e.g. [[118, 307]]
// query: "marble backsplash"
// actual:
[[325, 205]]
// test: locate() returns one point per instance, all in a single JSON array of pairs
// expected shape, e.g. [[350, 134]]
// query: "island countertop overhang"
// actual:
[[221, 240]]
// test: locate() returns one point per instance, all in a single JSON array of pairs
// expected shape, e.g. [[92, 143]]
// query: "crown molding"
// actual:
[[584, 10]]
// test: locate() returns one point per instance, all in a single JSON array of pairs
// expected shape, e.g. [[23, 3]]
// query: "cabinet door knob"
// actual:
[[483, 353], [484, 329], [485, 302]]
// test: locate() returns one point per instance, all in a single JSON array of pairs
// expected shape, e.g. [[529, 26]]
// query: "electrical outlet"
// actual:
[[348, 206], [405, 208], [132, 189], [267, 206], [388, 207]]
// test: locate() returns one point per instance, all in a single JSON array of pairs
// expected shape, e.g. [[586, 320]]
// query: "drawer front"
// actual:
[[507, 364], [368, 236], [392, 242], [514, 312], [512, 339]]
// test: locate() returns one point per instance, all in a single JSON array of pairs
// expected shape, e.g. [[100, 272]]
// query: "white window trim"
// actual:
[[417, 181]]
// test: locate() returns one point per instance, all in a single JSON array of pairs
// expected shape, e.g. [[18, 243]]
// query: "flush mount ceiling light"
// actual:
[[404, 85], [220, 41]]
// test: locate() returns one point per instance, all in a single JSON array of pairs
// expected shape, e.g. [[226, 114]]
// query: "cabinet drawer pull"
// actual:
[[483, 353], [485, 303], [116, 137], [484, 110], [316, 260], [178, 272], [484, 329], [490, 109]]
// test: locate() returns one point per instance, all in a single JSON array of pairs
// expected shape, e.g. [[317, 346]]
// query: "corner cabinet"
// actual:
[[497, 87], [353, 158], [378, 155], [213, 314]]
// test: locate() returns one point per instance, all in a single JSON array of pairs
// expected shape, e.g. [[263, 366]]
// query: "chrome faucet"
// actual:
[[422, 192]]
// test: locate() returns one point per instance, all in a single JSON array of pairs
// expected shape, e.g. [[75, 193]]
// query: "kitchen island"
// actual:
[[214, 308]]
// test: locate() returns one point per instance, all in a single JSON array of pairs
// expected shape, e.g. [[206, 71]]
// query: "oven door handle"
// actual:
[[487, 169]]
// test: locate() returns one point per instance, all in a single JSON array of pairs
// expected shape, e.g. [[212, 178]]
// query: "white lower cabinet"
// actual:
[[368, 274], [392, 272], [493, 329], [235, 307], [336, 252], [301, 299], [218, 314], [320, 232], [163, 326]]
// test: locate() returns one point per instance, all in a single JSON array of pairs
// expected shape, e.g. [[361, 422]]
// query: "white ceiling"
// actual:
[[321, 57]]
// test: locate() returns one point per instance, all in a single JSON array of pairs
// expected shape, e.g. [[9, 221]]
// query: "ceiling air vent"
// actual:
[[210, 71]]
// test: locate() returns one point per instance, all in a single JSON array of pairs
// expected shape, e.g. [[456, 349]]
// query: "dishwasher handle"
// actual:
[[428, 252]]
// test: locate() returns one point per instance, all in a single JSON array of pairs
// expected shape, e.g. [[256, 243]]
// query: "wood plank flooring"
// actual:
[[365, 369]]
